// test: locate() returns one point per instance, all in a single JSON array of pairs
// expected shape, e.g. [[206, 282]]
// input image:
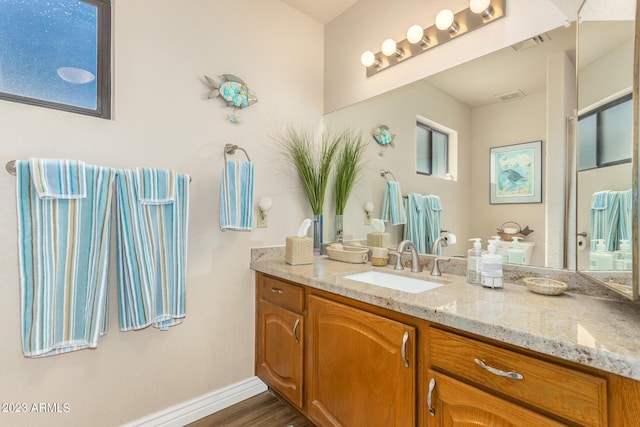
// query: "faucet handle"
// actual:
[[398, 255], [435, 271]]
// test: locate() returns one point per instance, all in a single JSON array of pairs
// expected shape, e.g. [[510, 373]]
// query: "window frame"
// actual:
[[103, 71], [431, 129], [597, 111]]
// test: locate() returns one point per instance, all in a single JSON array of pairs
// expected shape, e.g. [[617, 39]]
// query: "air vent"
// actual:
[[508, 96], [532, 42]]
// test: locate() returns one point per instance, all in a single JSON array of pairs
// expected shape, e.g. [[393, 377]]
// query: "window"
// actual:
[[605, 135], [432, 151], [57, 54]]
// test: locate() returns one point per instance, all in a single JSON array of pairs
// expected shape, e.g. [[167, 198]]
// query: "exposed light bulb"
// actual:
[[479, 6], [415, 34], [444, 21], [368, 58], [482, 8], [388, 47]]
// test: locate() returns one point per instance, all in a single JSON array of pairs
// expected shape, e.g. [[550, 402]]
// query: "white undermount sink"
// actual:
[[393, 281]]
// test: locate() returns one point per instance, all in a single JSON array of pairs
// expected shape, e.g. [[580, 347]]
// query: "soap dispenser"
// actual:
[[491, 267], [474, 265], [623, 258], [515, 253], [600, 259], [500, 248]]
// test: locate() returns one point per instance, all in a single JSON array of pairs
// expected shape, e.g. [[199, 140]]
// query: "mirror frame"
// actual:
[[635, 274]]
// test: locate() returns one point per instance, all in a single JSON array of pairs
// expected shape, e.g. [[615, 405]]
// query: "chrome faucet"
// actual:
[[416, 267], [435, 271], [439, 241]]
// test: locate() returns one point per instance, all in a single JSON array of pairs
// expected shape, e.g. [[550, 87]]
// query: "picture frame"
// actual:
[[516, 173]]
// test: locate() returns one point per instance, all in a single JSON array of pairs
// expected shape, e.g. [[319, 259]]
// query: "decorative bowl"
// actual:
[[544, 285]]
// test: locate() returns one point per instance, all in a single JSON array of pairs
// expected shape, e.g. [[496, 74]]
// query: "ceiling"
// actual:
[[323, 11]]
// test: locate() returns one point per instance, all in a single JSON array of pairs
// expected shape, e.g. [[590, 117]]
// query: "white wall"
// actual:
[[398, 110], [511, 122], [162, 118], [368, 22]]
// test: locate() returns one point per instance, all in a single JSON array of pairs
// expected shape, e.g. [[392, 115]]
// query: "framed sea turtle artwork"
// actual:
[[516, 173]]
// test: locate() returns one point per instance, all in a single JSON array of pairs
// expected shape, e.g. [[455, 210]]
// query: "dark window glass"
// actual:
[[605, 135], [432, 151]]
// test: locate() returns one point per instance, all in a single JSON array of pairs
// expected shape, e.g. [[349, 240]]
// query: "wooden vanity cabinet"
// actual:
[[280, 337], [511, 381], [456, 404], [361, 367]]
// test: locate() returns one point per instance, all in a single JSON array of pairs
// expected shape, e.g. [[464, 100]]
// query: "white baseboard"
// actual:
[[193, 410]]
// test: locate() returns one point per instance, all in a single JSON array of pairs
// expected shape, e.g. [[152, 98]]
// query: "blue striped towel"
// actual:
[[151, 248], [392, 205], [414, 229], [63, 250], [236, 196], [432, 226], [58, 179]]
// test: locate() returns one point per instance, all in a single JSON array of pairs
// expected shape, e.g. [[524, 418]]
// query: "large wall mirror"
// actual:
[[510, 98], [517, 95], [605, 141]]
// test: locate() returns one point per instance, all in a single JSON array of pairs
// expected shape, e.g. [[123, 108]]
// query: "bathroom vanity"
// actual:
[[344, 352]]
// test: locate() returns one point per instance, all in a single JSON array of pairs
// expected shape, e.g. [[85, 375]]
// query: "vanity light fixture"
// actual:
[[448, 26]]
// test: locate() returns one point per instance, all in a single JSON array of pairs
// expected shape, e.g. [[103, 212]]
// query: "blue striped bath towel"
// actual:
[[152, 211], [392, 205], [63, 249], [236, 196]]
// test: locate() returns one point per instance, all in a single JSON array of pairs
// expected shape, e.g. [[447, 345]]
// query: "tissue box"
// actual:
[[299, 250], [378, 240]]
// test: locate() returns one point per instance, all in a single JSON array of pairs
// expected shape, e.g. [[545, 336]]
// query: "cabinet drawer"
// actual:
[[570, 394], [281, 293]]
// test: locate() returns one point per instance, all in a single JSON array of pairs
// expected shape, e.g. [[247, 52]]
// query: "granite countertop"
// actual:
[[593, 331]]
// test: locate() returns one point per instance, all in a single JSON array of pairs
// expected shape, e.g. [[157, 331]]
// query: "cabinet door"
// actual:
[[362, 367], [456, 404], [279, 350]]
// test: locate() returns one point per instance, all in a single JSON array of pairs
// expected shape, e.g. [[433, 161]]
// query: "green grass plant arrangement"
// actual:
[[348, 166], [312, 160]]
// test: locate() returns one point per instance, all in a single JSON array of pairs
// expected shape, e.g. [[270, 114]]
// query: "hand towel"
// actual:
[[432, 218], [392, 204], [236, 196], [151, 248], [63, 250], [625, 217], [605, 219], [156, 186], [58, 178], [414, 229]]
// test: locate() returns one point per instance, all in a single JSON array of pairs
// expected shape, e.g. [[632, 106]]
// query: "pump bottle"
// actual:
[[474, 265], [491, 267]]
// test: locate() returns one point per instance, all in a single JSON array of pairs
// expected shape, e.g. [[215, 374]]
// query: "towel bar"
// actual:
[[10, 166], [231, 149], [384, 173]]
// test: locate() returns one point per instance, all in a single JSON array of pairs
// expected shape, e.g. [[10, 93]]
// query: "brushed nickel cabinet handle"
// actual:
[[495, 371], [403, 351], [277, 291], [432, 385], [295, 331]]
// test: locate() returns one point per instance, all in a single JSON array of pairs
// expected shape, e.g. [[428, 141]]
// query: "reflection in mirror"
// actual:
[[605, 146], [445, 126]]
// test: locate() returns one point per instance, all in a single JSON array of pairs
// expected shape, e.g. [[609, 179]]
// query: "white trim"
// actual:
[[200, 407]]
